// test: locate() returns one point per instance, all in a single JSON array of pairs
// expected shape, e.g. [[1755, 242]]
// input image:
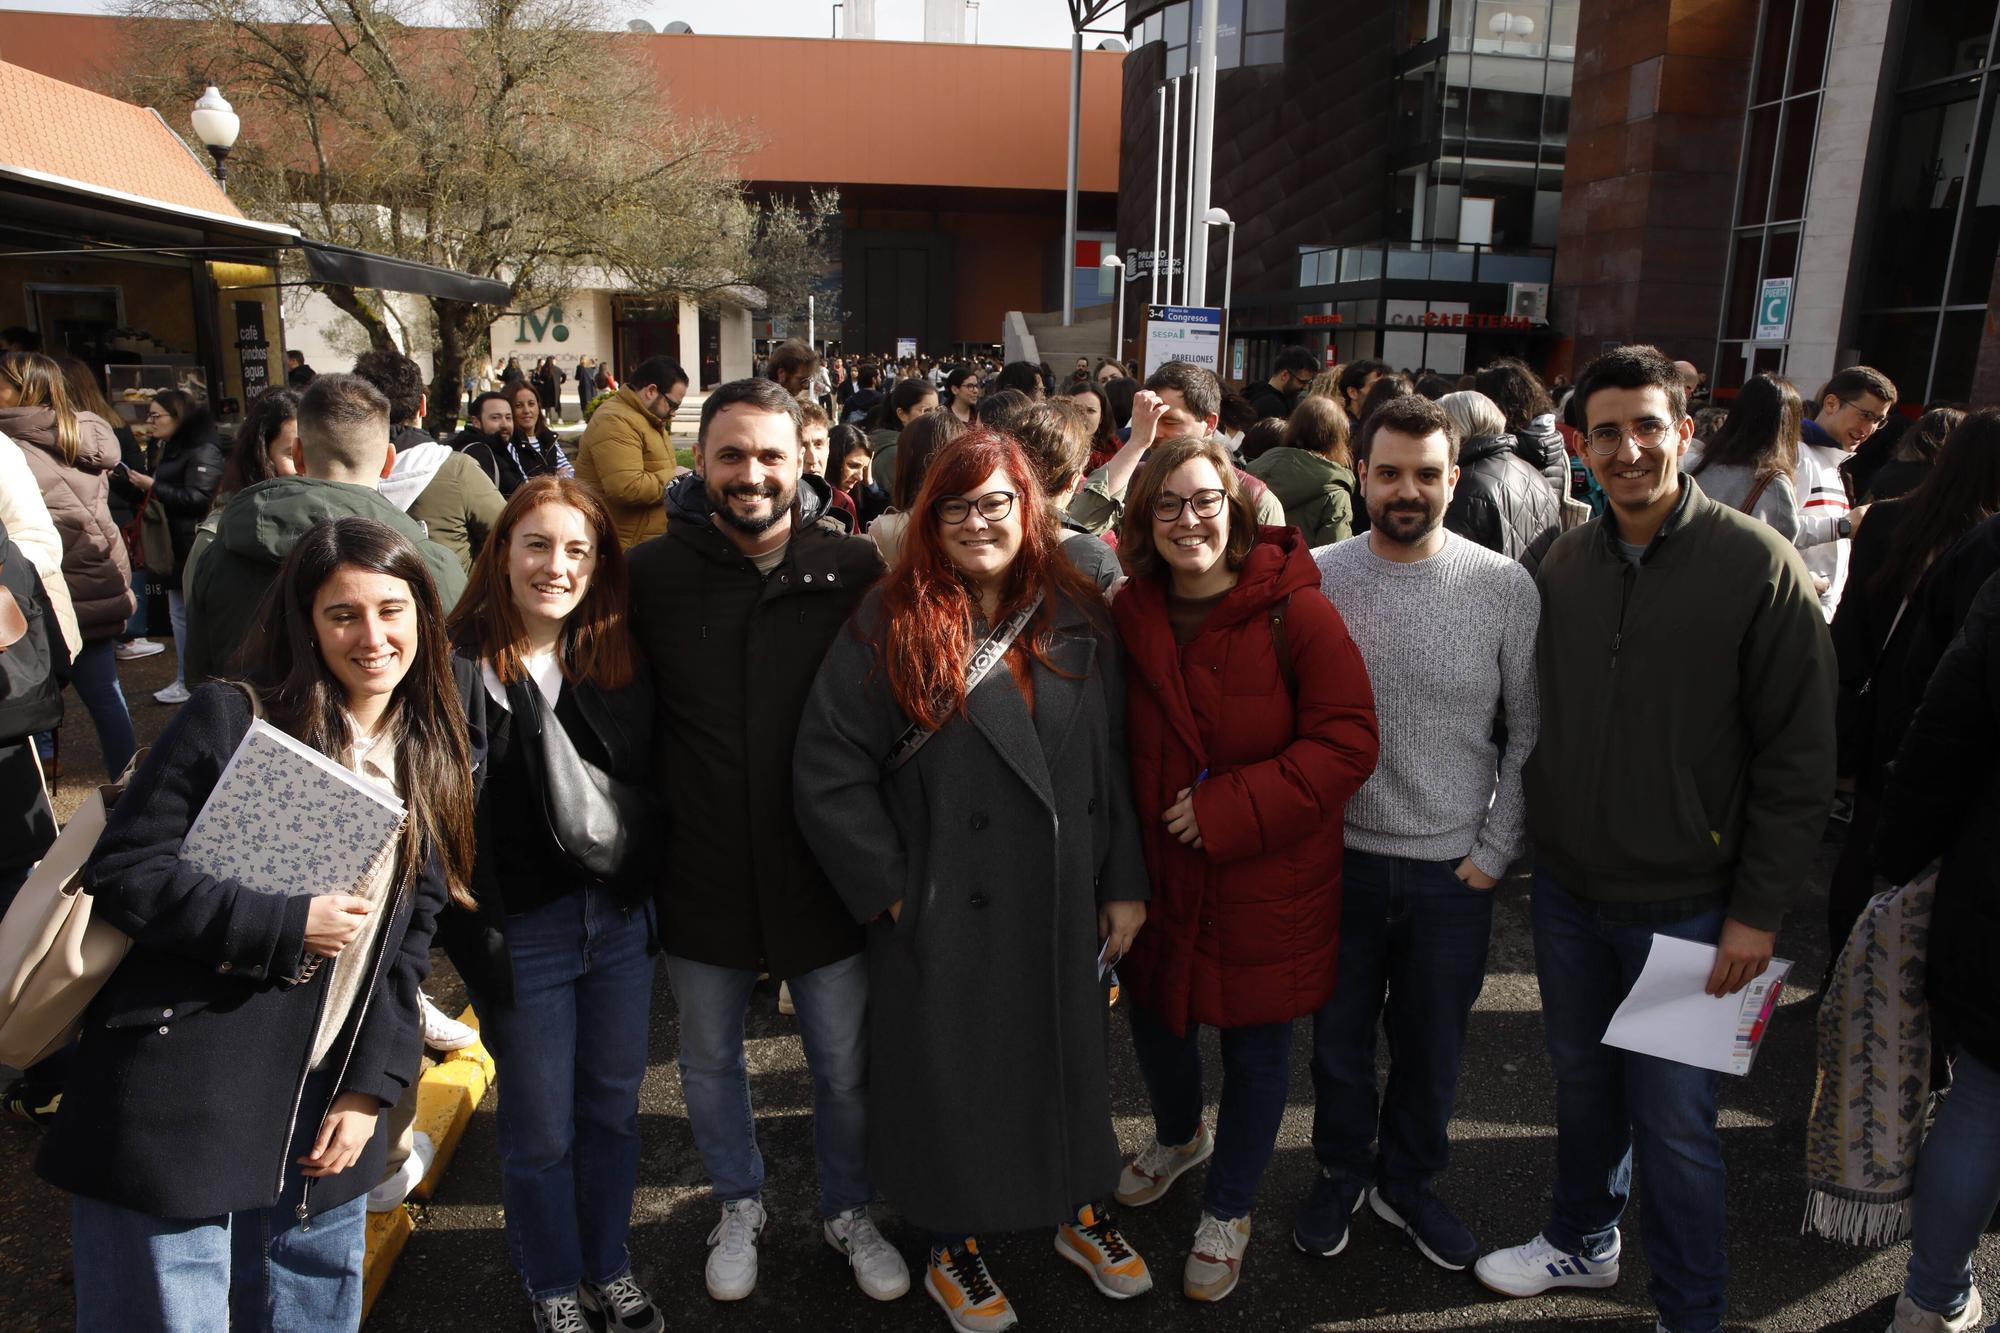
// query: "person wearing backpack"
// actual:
[[1250, 721]]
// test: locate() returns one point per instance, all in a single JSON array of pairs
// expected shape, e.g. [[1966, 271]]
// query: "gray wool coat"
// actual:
[[989, 1104]]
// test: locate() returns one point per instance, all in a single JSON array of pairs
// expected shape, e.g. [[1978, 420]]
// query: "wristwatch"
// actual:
[[1844, 528]]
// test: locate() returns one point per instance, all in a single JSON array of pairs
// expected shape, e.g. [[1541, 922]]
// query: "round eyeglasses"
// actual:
[[992, 506], [1206, 504]]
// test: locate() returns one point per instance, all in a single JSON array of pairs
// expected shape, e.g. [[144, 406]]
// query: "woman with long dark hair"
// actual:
[[910, 399], [1750, 462], [222, 1123], [186, 472], [72, 455], [1531, 417], [558, 954], [1909, 451], [961, 392], [961, 769], [1873, 631], [1245, 743], [535, 449], [919, 441], [265, 444], [1096, 404]]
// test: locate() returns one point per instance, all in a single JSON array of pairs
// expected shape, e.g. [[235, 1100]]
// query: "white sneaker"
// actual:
[[131, 650], [785, 1005], [1914, 1318], [1152, 1173], [1531, 1269], [442, 1032], [878, 1269], [732, 1253], [1216, 1260], [175, 693], [388, 1196]]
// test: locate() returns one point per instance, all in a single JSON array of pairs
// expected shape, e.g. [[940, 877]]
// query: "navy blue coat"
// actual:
[[190, 1094]]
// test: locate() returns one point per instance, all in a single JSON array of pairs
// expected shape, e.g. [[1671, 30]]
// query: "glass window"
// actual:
[[1757, 160], [1562, 29], [1781, 253], [1265, 16], [1957, 354], [1176, 16], [1815, 22], [1795, 160], [1264, 48], [1505, 115], [1899, 345], [1769, 84], [1741, 307], [1555, 120], [1946, 37], [1979, 233], [1919, 204], [1229, 35]]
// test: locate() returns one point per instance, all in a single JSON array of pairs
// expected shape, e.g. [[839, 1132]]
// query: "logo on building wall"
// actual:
[[549, 327]]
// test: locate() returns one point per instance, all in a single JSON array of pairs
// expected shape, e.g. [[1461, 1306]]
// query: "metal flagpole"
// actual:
[[1159, 183], [1173, 187], [1202, 132], [1069, 201]]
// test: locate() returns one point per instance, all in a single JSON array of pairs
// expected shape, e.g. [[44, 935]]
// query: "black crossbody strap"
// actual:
[[984, 659]]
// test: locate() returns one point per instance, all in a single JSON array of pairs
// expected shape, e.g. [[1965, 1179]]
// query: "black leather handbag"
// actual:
[[600, 821]]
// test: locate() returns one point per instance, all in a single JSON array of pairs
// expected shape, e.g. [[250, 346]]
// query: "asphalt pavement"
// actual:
[[455, 1275]]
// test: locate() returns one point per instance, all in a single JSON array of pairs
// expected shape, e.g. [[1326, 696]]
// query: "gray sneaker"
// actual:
[[622, 1306], [560, 1314]]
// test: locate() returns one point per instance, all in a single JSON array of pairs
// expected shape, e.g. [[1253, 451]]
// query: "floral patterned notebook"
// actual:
[[286, 819]]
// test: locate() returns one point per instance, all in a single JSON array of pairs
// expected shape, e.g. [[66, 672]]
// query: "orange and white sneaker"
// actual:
[[1094, 1244], [958, 1281], [1216, 1259], [1152, 1173]]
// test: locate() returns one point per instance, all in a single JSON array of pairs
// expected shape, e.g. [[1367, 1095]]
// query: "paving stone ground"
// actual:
[[454, 1273]]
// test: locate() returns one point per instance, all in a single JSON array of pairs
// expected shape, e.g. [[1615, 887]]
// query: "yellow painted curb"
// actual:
[[447, 1095], [387, 1234]]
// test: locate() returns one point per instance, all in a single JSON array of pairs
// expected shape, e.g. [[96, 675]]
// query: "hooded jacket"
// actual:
[[733, 654], [25, 515], [1246, 928], [1686, 753], [1317, 493], [1503, 503], [448, 493], [1540, 445], [628, 455], [96, 568], [258, 528]]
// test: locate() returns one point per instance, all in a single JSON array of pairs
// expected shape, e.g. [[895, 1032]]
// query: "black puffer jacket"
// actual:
[[1501, 502], [1540, 444], [184, 483], [733, 655], [1942, 789]]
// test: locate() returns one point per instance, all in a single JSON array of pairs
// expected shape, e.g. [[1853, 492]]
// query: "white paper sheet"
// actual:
[[1669, 1014]]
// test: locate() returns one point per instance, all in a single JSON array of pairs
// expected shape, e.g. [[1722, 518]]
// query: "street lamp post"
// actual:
[[1219, 217], [1115, 266], [216, 124]]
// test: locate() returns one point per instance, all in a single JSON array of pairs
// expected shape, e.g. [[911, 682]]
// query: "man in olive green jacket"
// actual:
[[1679, 786], [627, 450]]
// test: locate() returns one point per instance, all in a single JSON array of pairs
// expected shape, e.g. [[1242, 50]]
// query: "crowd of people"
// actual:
[[957, 697]]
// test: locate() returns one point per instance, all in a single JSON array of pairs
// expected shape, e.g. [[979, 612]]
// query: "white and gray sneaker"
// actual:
[[1538, 1266], [621, 1307], [732, 1253], [560, 1314], [1914, 1318], [878, 1269]]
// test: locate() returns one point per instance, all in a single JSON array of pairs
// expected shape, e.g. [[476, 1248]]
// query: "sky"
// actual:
[[999, 22]]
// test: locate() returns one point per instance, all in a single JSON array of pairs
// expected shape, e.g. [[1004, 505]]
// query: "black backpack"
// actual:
[[35, 667]]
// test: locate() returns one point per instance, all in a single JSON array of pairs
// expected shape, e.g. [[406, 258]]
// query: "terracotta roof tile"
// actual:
[[63, 130]]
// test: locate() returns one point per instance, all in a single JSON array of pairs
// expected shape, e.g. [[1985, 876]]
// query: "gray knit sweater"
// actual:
[[1450, 648]]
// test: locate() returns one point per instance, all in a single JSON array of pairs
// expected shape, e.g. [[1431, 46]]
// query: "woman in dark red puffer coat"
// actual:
[[1247, 737]]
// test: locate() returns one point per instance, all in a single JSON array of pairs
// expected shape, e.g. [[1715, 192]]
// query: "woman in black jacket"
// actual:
[[1500, 501], [183, 483], [222, 1122], [1939, 800], [558, 953], [534, 450]]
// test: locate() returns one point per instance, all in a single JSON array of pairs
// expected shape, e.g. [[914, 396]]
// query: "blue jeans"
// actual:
[[1413, 940], [832, 1004], [136, 626], [1611, 1104], [250, 1271], [1255, 1073], [177, 617], [570, 1052], [1958, 1187], [95, 678]]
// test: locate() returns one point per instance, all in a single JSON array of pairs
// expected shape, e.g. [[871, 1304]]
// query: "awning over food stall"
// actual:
[[359, 268]]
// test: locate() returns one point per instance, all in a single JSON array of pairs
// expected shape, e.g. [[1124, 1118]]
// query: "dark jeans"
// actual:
[[1255, 1064], [1413, 939], [1611, 1104], [94, 676]]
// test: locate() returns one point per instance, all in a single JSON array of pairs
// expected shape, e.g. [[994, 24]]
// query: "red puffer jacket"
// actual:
[[1246, 928]]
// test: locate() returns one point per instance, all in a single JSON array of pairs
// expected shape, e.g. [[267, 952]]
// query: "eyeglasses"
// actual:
[[992, 506], [1206, 504], [1875, 420], [1650, 433]]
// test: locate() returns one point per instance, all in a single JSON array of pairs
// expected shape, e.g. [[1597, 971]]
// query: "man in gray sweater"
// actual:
[[1447, 629]]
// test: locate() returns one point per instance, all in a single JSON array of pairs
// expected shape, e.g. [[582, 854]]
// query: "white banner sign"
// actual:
[[1184, 333]]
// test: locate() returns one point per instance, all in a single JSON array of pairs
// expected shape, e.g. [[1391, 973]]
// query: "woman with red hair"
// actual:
[[962, 774]]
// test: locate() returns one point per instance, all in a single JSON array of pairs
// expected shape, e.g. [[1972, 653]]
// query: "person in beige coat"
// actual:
[[627, 451], [26, 516]]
